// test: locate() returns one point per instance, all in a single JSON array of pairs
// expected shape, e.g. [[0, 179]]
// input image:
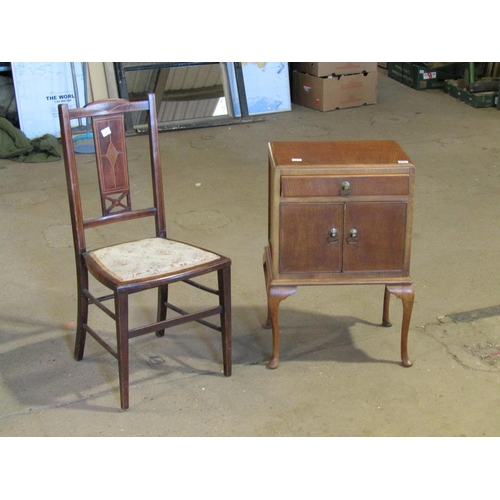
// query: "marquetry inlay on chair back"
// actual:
[[112, 165]]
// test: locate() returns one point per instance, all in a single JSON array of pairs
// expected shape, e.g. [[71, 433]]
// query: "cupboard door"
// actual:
[[311, 237], [374, 238]]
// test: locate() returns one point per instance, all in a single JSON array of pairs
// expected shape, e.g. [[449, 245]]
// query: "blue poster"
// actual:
[[267, 87]]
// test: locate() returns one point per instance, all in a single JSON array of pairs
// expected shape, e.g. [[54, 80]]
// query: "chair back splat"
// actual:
[[134, 265]]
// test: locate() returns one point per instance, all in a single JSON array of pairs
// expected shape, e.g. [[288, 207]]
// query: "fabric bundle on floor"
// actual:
[[15, 146]]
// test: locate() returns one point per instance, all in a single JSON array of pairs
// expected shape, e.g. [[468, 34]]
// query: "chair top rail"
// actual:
[[108, 107]]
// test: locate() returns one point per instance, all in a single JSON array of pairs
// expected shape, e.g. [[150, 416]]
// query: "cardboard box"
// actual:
[[421, 76], [326, 94], [334, 68]]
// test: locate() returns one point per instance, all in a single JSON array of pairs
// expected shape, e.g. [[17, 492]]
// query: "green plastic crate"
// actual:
[[475, 99], [419, 76]]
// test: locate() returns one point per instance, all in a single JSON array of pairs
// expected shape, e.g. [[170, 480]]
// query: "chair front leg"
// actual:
[[224, 279], [122, 338]]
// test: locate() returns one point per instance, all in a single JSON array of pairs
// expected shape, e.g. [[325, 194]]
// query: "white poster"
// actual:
[[39, 88]]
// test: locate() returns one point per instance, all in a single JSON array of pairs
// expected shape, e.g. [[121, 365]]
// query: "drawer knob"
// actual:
[[333, 236], [352, 239], [345, 189]]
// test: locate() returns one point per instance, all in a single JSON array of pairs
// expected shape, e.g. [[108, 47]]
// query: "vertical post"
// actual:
[[242, 95]]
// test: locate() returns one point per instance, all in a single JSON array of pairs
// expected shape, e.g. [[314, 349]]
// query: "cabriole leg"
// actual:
[[407, 296], [275, 294], [385, 316]]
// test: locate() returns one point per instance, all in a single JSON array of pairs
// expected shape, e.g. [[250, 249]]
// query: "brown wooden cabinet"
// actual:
[[339, 213]]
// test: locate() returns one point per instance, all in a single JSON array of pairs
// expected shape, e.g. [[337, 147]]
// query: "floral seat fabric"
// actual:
[[142, 259]]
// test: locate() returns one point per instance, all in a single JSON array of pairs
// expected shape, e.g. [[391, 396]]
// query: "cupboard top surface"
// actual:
[[297, 154]]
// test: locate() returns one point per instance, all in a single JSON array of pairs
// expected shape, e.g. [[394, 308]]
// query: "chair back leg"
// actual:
[[82, 317], [162, 307]]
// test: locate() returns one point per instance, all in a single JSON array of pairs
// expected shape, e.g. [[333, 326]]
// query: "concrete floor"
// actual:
[[340, 372]]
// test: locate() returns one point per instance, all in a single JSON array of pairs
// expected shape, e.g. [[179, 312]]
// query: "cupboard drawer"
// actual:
[[358, 185]]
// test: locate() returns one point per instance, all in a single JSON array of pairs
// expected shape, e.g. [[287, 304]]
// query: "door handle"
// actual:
[[352, 239], [333, 236]]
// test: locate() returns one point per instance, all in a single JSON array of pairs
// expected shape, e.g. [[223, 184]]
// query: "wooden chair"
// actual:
[[141, 264]]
